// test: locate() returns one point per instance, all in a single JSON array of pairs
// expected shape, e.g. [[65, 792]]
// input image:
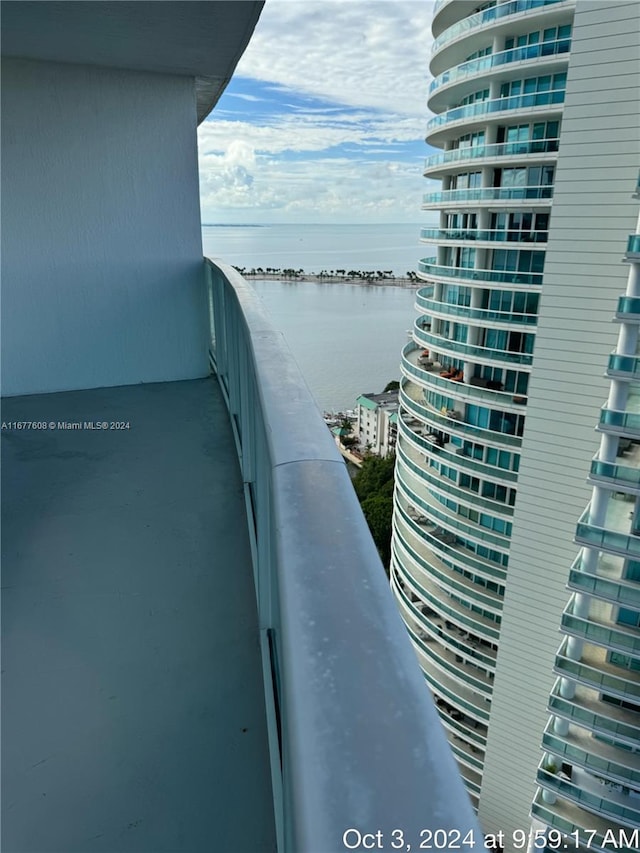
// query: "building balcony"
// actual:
[[429, 377], [607, 584], [482, 316], [447, 235], [633, 248], [173, 656], [463, 197], [442, 609], [597, 800], [623, 366], [593, 833], [440, 87], [628, 309], [612, 475], [615, 537], [485, 19], [472, 352], [482, 109], [587, 710], [600, 631], [429, 268], [625, 423], [524, 151], [451, 421], [580, 749], [420, 437], [449, 527], [594, 670]]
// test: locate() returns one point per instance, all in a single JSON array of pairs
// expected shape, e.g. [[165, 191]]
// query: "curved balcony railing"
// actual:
[[623, 364], [594, 763], [454, 424], [489, 236], [438, 602], [591, 801], [623, 475], [628, 306], [298, 488], [496, 60], [465, 312], [499, 149], [495, 13], [633, 247], [585, 717], [471, 352], [593, 677], [468, 530], [458, 390], [588, 838], [617, 591], [613, 541], [429, 266], [435, 481], [460, 460], [454, 552], [488, 194], [612, 638], [495, 105], [432, 652], [627, 422]]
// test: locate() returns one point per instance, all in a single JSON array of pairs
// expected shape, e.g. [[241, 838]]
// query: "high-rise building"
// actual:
[[590, 772], [536, 113]]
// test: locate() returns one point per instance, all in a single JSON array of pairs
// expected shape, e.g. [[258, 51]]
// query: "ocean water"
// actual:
[[346, 338], [316, 247]]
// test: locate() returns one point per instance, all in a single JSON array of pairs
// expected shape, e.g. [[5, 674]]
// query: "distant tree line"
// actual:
[[362, 275]]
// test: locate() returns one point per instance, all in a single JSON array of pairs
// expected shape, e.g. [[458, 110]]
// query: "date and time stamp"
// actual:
[[519, 839]]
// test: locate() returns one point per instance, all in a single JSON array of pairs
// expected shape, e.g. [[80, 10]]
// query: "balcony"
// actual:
[[518, 150], [625, 423], [587, 710], [489, 236], [147, 698], [623, 366], [487, 16], [485, 64], [610, 473], [628, 308], [429, 267], [482, 109], [465, 195], [626, 813], [594, 670], [615, 537], [413, 400], [633, 248]]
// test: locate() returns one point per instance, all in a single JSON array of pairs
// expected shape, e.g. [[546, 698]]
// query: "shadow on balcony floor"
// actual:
[[133, 706]]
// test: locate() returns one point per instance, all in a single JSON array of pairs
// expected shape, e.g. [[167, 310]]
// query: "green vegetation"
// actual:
[[374, 487], [394, 385]]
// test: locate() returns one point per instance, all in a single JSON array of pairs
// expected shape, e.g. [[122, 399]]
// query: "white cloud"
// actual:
[[368, 60], [358, 53]]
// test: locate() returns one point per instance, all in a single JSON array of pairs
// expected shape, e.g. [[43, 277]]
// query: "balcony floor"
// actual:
[[133, 716]]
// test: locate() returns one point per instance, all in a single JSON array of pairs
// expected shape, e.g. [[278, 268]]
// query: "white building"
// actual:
[[537, 114], [376, 422]]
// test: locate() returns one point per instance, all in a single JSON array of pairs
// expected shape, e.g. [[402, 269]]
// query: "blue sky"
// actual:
[[324, 120]]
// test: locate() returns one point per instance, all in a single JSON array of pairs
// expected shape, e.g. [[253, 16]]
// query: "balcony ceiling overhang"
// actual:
[[197, 39]]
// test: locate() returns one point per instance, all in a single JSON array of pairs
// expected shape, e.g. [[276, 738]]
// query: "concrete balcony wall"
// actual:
[[102, 258]]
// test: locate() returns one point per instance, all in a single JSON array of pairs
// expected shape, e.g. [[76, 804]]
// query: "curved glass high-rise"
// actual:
[[497, 95]]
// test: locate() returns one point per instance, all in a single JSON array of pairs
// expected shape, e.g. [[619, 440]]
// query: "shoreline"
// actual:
[[313, 278]]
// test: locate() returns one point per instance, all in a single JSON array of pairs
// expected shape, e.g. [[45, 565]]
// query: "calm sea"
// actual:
[[346, 338]]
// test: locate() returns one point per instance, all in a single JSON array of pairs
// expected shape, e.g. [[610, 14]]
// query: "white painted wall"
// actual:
[[592, 215], [102, 257]]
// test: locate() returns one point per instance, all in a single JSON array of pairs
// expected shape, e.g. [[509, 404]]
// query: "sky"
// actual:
[[325, 117]]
